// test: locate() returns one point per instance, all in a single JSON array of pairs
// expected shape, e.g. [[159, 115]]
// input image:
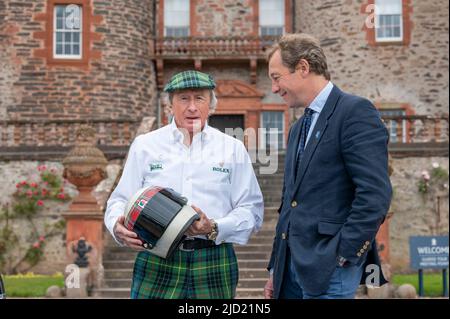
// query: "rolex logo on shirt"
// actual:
[[155, 166], [221, 170]]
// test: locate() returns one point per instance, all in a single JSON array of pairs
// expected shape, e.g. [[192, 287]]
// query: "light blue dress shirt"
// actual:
[[317, 105]]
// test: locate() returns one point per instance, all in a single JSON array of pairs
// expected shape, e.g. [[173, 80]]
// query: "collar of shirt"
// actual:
[[319, 101], [177, 136]]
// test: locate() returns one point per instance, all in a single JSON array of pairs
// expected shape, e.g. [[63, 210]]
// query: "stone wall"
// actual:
[[223, 18], [117, 81], [413, 214], [55, 251], [417, 74]]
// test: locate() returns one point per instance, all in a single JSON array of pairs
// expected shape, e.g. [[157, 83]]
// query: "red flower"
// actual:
[[23, 183], [40, 203], [33, 185], [61, 196]]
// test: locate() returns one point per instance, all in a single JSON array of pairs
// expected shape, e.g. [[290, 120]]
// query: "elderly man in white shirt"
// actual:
[[214, 172]]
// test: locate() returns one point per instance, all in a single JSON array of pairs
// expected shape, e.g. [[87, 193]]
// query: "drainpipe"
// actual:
[[158, 95], [293, 16]]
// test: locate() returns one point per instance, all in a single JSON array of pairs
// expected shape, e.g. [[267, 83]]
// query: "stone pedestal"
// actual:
[[77, 286], [84, 167]]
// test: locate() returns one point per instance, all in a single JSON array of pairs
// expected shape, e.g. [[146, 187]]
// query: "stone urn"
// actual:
[[85, 167]]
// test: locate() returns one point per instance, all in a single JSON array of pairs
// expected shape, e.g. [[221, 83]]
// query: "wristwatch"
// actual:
[[214, 231]]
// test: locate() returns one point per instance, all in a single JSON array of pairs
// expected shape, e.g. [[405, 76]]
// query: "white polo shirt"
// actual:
[[215, 173]]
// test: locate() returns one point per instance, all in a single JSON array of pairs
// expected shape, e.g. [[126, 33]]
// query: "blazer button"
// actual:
[[283, 236], [365, 246], [367, 243], [294, 203], [362, 251], [358, 254]]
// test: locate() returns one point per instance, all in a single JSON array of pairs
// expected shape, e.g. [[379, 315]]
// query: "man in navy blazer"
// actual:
[[336, 190]]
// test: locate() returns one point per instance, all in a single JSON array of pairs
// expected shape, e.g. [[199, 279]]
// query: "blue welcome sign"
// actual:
[[428, 252]]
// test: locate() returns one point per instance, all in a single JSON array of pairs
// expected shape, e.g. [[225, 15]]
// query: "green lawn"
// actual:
[[30, 285], [432, 283]]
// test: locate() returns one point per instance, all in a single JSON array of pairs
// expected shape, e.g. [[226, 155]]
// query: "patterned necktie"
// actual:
[[306, 124]]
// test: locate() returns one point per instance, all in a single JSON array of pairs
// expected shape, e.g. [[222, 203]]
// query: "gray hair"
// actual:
[[167, 99]]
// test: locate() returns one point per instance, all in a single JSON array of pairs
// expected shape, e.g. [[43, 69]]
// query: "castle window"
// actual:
[[393, 125], [271, 17], [176, 18], [388, 20], [67, 35], [272, 136]]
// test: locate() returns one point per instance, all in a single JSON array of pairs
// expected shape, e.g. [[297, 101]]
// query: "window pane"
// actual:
[[59, 11], [68, 37], [176, 13], [76, 37], [388, 6], [397, 32], [67, 49], [76, 49], [271, 12], [59, 23], [59, 48], [59, 36], [273, 125]]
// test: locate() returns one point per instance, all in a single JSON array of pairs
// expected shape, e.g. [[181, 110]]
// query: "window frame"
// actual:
[[187, 27], [55, 31], [262, 140], [283, 26], [377, 23]]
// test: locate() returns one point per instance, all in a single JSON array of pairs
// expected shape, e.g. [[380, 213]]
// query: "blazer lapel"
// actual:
[[316, 135]]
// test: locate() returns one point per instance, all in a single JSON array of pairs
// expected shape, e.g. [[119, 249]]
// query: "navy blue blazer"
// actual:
[[342, 193]]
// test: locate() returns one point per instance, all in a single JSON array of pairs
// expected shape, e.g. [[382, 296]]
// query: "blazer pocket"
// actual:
[[329, 227]]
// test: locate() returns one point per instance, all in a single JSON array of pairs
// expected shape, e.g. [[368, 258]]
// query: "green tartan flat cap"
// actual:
[[190, 80]]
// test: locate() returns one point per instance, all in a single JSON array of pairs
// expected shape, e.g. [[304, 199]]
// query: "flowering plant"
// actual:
[[30, 196], [28, 199], [436, 180]]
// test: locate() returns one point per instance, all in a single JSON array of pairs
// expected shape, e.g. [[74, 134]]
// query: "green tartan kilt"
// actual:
[[209, 273]]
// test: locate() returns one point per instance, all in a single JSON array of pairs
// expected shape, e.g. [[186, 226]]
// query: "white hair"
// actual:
[[168, 97]]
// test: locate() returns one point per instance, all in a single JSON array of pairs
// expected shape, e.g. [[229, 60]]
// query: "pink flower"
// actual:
[[29, 193], [36, 192], [426, 175], [40, 203], [33, 185], [42, 168], [41, 238], [23, 183], [18, 185], [36, 245]]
